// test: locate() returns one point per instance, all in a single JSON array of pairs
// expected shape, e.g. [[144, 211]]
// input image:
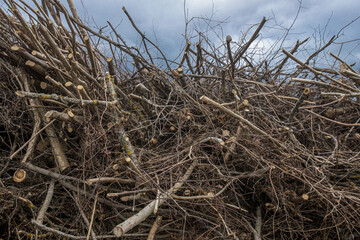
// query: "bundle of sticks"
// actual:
[[126, 143]]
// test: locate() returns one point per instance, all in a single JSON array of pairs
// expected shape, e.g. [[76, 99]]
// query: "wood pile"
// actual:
[[214, 145]]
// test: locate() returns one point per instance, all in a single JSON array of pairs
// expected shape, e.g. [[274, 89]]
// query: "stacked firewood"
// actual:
[[123, 142]]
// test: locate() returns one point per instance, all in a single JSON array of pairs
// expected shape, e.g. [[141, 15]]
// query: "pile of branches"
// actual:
[[215, 145]]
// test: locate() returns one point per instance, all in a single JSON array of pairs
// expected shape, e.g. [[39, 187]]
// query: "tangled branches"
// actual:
[[213, 146]]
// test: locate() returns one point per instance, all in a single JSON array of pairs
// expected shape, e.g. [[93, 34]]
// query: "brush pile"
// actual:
[[213, 146]]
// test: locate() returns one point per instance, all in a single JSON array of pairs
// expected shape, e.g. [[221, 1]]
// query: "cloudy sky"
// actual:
[[164, 21]]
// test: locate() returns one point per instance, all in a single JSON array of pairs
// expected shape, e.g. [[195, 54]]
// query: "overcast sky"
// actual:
[[164, 20]]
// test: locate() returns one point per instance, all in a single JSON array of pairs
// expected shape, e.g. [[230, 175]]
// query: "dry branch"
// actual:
[[63, 99]]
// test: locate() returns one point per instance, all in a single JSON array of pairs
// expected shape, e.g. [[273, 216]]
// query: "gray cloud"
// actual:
[[163, 20]]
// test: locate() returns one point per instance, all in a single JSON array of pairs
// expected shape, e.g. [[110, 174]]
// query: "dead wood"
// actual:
[[214, 145]]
